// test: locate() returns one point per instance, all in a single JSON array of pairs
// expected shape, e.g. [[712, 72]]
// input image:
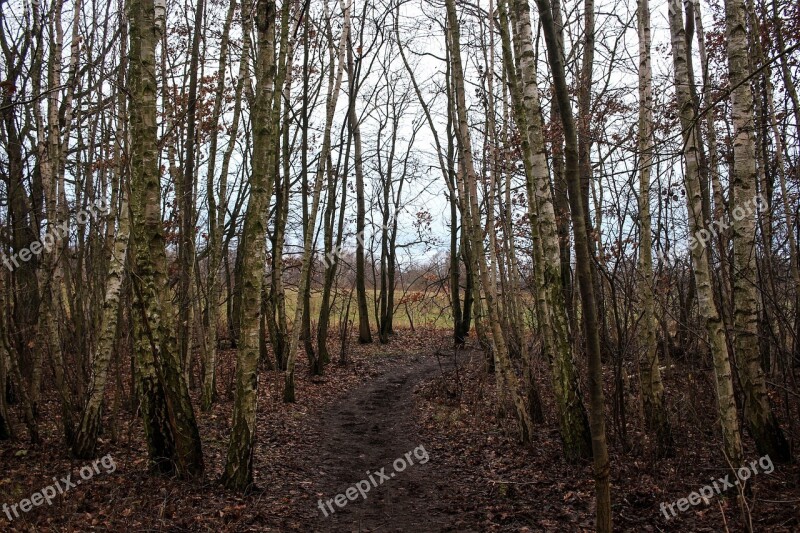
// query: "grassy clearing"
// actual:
[[423, 310]]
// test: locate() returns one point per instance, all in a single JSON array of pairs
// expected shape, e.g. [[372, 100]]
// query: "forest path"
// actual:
[[374, 427]]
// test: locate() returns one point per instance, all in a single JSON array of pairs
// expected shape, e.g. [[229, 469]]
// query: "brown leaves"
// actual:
[[8, 87]]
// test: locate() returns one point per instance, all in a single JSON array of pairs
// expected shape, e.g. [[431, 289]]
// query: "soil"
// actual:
[[374, 428], [358, 418], [387, 401]]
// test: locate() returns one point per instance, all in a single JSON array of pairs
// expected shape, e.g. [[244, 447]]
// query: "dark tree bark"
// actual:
[[238, 474], [601, 463]]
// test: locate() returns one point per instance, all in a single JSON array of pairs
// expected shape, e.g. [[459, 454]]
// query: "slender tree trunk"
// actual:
[[268, 319], [455, 268], [334, 86], [304, 173], [51, 150], [758, 413], [719, 209], [584, 125], [573, 421], [279, 330], [186, 245], [699, 253], [25, 300], [601, 463], [238, 474], [216, 222], [332, 262], [387, 176], [560, 199], [655, 412], [85, 442], [6, 429], [364, 332], [475, 233]]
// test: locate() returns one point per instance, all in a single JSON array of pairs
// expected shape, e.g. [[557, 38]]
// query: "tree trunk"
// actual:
[[601, 463], [25, 297], [6, 429], [758, 413], [332, 258], [475, 233], [364, 332], [170, 425], [699, 254], [721, 241], [150, 392], [334, 86], [85, 442], [279, 329], [186, 245], [655, 413], [573, 421], [238, 474], [216, 217]]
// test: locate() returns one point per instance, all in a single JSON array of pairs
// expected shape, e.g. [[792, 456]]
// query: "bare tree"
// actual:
[[601, 463], [238, 473], [757, 410], [335, 75], [699, 254], [649, 372], [170, 426]]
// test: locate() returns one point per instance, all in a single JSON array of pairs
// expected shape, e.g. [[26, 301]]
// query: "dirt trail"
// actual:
[[368, 430]]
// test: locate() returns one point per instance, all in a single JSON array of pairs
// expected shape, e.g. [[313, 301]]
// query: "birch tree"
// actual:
[[699, 253], [85, 441], [601, 462], [472, 216], [573, 422], [758, 413], [238, 474], [655, 412], [170, 427]]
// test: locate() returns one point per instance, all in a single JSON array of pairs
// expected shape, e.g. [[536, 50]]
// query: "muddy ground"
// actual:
[[408, 396]]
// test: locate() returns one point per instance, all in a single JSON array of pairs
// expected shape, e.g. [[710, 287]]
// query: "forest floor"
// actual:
[[412, 401]]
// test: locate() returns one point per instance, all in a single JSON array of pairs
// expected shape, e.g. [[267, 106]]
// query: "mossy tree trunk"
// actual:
[[170, 427], [601, 462], [238, 474]]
